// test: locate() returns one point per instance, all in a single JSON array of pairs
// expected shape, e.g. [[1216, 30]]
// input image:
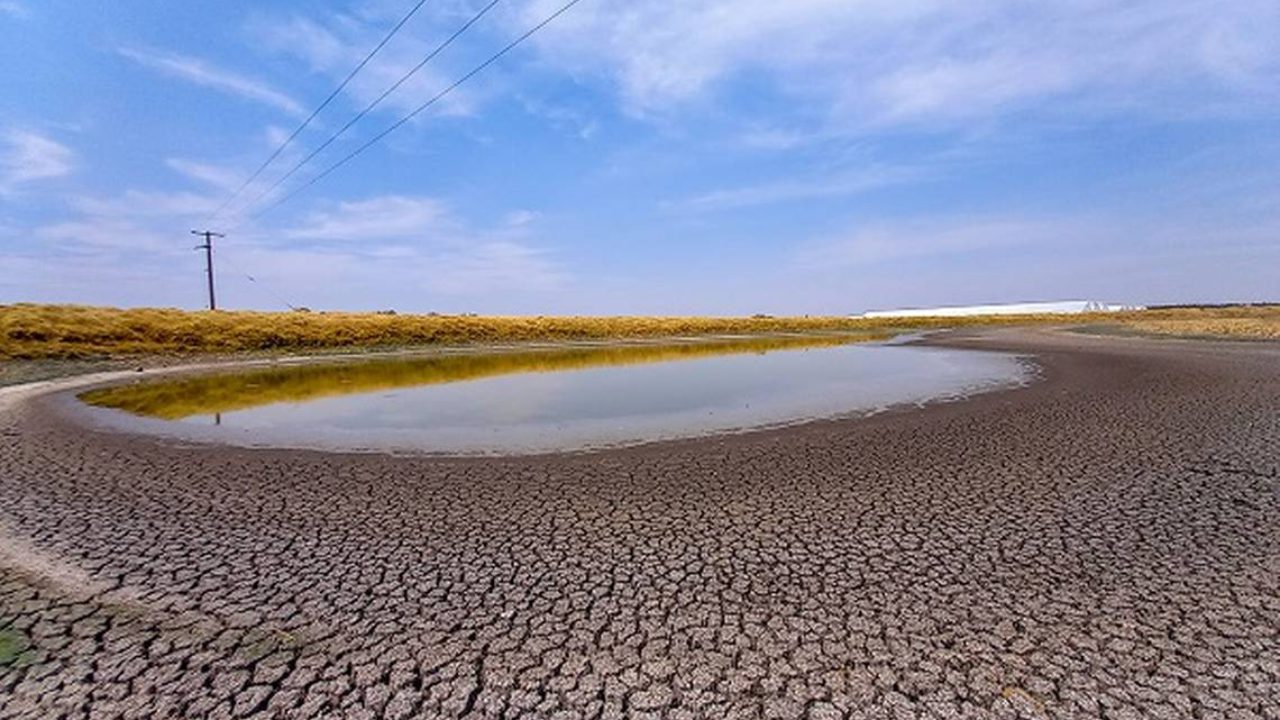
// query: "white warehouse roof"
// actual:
[[1064, 307]]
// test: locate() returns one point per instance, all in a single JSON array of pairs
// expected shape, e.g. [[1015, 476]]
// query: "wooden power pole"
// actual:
[[208, 260]]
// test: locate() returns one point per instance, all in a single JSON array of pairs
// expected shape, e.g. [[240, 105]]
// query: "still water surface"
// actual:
[[557, 399]]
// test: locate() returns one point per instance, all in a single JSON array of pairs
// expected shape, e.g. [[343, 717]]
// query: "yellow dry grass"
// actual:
[[1261, 323], [73, 331], [70, 331]]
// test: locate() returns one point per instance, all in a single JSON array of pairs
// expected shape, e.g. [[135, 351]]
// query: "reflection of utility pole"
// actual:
[[208, 259]]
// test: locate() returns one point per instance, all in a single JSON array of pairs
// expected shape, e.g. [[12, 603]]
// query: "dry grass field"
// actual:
[[1260, 322], [36, 332]]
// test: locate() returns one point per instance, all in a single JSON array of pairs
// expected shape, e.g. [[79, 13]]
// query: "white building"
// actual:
[[1065, 307]]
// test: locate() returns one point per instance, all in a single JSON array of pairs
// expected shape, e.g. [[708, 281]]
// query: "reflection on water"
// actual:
[[224, 392], [561, 398]]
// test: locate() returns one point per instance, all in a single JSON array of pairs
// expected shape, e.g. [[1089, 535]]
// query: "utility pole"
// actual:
[[208, 259]]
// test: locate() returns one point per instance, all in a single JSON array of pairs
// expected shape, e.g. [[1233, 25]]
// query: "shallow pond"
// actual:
[[555, 399]]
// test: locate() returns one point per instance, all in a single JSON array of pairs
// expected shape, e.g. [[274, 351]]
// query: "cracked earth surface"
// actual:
[[1104, 543]]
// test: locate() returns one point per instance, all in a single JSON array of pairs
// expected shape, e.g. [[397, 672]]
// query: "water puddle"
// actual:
[[554, 399]]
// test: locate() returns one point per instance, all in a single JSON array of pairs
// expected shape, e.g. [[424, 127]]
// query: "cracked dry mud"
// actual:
[[1102, 544]]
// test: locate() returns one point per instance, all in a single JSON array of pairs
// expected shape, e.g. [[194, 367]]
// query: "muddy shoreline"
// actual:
[[1104, 542]]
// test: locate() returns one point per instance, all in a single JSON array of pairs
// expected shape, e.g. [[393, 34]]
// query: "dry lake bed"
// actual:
[[996, 524]]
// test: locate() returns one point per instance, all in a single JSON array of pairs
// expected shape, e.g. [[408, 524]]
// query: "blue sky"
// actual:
[[670, 156]]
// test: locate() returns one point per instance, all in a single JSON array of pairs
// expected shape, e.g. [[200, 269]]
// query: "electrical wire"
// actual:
[[424, 106], [222, 255], [298, 130], [377, 101]]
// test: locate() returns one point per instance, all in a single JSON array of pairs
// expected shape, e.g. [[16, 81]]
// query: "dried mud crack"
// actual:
[[1104, 543]]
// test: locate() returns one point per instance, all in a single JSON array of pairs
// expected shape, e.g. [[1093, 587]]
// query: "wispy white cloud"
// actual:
[[881, 242], [521, 218], [967, 239], [490, 276], [388, 251], [775, 138], [811, 188], [29, 156], [421, 242], [1020, 257], [563, 116], [227, 176], [147, 204], [500, 266], [14, 8], [381, 218], [109, 238], [201, 72], [332, 43], [875, 62], [139, 227], [130, 248], [215, 176]]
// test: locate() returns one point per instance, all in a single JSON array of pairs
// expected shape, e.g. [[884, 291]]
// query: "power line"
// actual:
[[377, 101], [298, 130], [439, 96], [279, 298]]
